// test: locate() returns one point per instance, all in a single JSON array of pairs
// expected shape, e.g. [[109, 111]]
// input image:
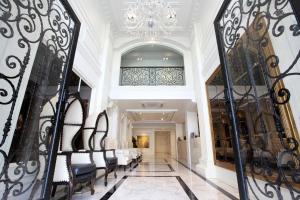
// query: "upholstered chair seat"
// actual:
[[83, 169]]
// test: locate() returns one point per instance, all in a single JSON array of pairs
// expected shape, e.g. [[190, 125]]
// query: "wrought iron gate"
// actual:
[[259, 48], [37, 46]]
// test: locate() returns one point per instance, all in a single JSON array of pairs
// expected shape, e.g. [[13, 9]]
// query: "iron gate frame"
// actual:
[[57, 129], [229, 97], [62, 94]]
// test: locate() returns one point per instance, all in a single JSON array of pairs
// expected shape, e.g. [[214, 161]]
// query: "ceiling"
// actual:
[[186, 12], [158, 111], [154, 116]]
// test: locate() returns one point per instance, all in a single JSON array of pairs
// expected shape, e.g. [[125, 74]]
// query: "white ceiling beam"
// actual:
[[152, 110]]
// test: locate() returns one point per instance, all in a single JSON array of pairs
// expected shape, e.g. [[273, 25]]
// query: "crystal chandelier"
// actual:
[[150, 18]]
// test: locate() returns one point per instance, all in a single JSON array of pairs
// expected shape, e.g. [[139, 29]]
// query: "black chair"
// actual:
[[73, 166], [95, 132]]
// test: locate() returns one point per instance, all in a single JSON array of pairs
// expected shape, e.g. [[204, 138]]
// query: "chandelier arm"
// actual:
[[150, 18]]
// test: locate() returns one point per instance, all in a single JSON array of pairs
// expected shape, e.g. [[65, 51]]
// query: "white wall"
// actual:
[[195, 145], [123, 139], [105, 78], [181, 153], [93, 54], [114, 123], [152, 56], [191, 126], [173, 144], [172, 62], [180, 131]]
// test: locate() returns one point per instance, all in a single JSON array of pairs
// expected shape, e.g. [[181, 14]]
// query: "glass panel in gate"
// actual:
[[260, 47]]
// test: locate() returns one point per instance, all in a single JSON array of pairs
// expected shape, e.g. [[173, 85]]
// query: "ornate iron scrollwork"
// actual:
[[134, 76], [24, 26], [250, 36]]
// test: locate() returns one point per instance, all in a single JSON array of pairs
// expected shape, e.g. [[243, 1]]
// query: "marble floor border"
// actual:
[[135, 166], [170, 166], [229, 195], [187, 190]]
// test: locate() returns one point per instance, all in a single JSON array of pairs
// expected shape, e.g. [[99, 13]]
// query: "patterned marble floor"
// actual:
[[155, 178]]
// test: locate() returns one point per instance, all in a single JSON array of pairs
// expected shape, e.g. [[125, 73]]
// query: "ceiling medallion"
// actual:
[[150, 19]]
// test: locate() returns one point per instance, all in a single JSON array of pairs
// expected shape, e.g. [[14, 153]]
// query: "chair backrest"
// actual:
[[74, 120], [88, 130], [45, 123], [95, 134]]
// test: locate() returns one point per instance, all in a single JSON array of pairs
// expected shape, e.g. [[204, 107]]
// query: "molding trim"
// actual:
[[87, 54], [135, 42]]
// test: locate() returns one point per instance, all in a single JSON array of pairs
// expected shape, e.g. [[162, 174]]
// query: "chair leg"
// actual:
[[53, 190], [115, 172], [105, 180], [124, 168], [92, 186], [70, 190]]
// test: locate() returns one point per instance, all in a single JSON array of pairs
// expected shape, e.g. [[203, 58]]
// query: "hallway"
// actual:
[[149, 99], [159, 178]]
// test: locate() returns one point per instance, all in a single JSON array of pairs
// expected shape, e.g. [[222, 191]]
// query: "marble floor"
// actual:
[[155, 178]]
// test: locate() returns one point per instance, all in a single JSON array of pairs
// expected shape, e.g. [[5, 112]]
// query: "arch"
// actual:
[[159, 46], [128, 46]]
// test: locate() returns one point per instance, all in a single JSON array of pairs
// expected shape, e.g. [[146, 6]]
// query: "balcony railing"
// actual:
[[152, 76]]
